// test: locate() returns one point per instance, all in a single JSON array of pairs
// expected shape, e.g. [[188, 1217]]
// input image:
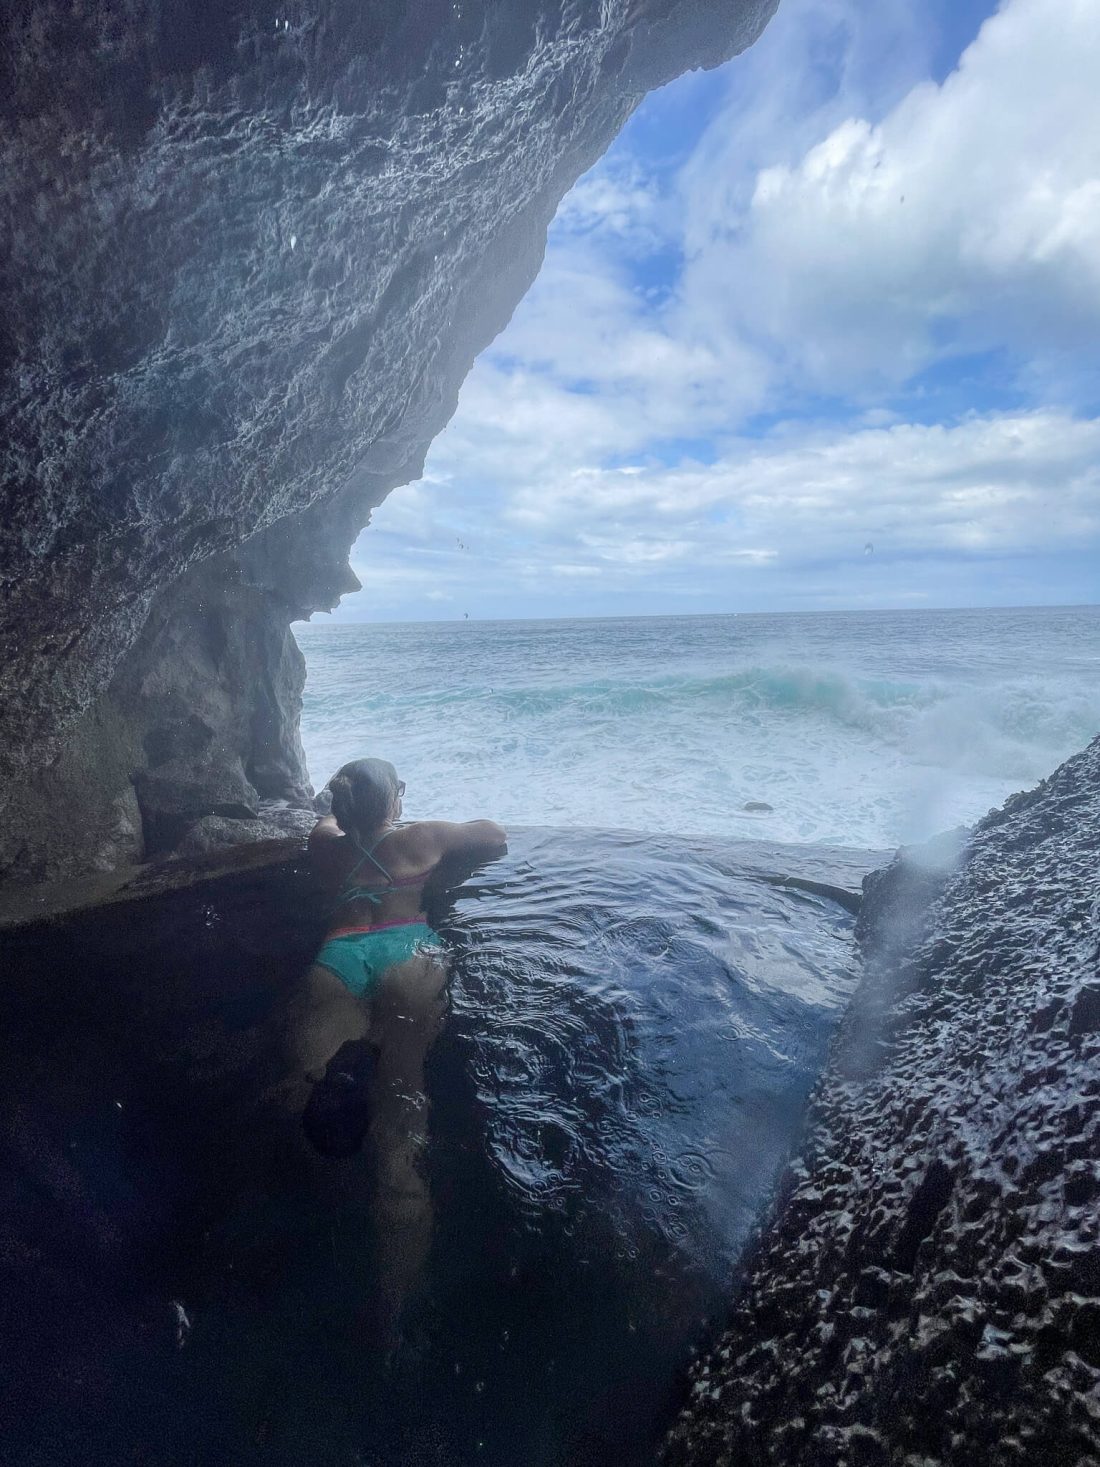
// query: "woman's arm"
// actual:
[[325, 831], [472, 838], [326, 848]]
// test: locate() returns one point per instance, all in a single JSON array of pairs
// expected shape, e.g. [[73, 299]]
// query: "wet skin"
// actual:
[[400, 1017]]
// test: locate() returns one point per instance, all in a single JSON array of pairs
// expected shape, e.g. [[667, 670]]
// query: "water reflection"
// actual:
[[634, 1026]]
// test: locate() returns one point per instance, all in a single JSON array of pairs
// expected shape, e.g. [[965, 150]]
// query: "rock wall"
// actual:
[[195, 742], [250, 252], [928, 1290]]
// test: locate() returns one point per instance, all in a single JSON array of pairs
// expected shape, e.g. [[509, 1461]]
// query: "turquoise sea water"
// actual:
[[863, 729]]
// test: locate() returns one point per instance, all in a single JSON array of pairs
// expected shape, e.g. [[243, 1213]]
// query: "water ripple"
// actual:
[[635, 1023]]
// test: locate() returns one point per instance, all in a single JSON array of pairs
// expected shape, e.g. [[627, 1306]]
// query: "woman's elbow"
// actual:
[[492, 834]]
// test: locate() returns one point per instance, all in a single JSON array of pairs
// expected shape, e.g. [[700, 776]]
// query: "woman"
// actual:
[[373, 997]]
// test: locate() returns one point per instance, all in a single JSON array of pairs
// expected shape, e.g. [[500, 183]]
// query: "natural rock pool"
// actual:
[[635, 1024]]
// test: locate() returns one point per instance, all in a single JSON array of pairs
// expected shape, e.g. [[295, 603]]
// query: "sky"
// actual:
[[820, 331]]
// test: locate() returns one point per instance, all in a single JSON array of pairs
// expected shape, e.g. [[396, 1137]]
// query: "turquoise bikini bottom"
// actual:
[[360, 955]]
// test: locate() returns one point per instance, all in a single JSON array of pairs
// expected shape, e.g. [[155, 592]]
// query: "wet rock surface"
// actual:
[[199, 721], [251, 251], [928, 1290], [216, 832]]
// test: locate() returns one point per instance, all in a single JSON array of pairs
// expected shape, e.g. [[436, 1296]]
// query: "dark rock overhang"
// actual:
[[251, 253]]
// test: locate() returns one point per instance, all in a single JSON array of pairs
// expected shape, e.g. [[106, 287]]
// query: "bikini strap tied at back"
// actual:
[[351, 893], [368, 855]]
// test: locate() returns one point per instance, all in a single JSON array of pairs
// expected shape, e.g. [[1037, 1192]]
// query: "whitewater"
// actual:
[[861, 729]]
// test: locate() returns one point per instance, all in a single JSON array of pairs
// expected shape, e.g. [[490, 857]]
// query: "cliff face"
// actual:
[[929, 1288], [250, 253]]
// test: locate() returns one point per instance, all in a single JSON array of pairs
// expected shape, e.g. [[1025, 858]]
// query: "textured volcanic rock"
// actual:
[[929, 1288], [250, 252]]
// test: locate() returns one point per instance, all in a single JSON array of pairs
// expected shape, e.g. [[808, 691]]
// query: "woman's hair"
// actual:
[[363, 793]]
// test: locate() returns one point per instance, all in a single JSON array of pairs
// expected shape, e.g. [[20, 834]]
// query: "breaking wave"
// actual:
[[866, 730]]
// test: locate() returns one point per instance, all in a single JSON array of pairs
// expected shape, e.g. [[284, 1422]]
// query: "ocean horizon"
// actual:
[[331, 621]]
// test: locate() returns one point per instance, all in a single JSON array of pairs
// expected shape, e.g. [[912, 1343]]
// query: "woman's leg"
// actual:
[[402, 1018], [407, 1010], [326, 1015]]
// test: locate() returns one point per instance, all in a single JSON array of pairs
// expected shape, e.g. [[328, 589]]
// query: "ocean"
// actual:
[[864, 729]]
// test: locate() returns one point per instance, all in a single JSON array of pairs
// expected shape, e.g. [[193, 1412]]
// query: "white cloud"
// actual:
[[968, 218], [573, 571], [586, 331], [994, 484], [841, 224], [798, 510], [620, 200]]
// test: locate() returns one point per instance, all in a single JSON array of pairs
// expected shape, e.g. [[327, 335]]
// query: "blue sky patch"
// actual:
[[843, 291]]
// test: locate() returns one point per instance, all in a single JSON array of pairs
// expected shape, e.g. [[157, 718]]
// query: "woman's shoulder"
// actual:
[[434, 839], [331, 852], [412, 842]]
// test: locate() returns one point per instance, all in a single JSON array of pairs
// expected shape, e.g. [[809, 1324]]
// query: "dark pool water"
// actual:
[[635, 1023]]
